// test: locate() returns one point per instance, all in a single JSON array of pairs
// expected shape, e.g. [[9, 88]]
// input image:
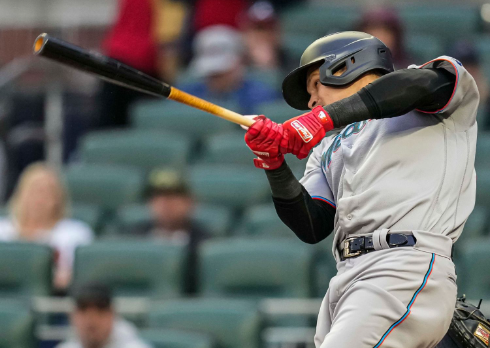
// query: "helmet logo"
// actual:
[[303, 132], [330, 57]]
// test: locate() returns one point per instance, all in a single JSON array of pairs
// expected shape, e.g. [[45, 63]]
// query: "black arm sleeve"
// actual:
[[310, 219], [395, 94]]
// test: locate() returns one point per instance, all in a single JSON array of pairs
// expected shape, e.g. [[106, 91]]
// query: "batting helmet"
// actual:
[[357, 51]]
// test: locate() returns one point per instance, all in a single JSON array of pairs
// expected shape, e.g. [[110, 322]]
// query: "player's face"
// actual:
[[325, 95]]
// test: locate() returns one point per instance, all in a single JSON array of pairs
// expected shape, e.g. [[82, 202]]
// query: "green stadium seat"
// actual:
[[476, 224], [232, 323], [483, 187], [255, 268], [133, 268], [262, 221], [446, 22], [90, 214], [324, 266], [482, 44], [482, 158], [473, 275], [234, 145], [214, 219], [279, 111], [167, 338], [318, 20], [271, 77], [4, 211], [104, 185], [175, 117], [423, 48], [145, 149], [25, 270], [230, 185], [16, 326], [295, 44]]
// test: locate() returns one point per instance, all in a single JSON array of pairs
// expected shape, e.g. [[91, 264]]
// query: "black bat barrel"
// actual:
[[93, 62]]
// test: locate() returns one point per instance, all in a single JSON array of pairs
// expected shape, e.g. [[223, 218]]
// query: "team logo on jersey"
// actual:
[[482, 333], [348, 131], [303, 132]]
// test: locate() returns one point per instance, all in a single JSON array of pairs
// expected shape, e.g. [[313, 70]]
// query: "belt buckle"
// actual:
[[347, 252]]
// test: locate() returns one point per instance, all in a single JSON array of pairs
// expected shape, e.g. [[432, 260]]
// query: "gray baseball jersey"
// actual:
[[414, 172], [411, 174]]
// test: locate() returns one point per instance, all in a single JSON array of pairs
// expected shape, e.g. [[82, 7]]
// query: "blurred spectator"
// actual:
[[131, 41], [466, 52], [219, 59], [217, 12], [37, 214], [172, 205], [387, 26], [96, 324], [262, 33]]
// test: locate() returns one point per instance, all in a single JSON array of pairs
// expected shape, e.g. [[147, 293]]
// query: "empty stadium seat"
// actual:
[[166, 338], [318, 20], [473, 275], [324, 266], [279, 111], [447, 22], [25, 270], [483, 187], [88, 213], [16, 326], [104, 185], [255, 268], [482, 158], [174, 117], [423, 48], [476, 224], [133, 268], [230, 185], [145, 149], [262, 221], [215, 220], [232, 143], [232, 323]]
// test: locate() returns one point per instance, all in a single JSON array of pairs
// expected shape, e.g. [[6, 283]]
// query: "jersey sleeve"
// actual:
[[314, 181], [462, 106]]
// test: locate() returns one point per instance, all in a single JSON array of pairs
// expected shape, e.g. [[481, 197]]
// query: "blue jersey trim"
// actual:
[[325, 200], [410, 304]]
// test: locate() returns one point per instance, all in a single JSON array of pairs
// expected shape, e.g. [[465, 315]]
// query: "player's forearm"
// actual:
[[311, 220], [393, 95]]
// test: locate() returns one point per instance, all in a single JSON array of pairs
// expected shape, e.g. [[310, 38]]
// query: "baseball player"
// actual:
[[395, 184]]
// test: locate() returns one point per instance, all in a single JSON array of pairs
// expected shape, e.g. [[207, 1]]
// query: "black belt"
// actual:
[[356, 246]]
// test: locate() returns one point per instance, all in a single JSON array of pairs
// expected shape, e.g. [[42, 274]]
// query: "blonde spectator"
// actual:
[[38, 210]]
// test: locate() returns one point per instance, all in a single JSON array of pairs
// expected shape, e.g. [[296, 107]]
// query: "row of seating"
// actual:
[[444, 22], [232, 267]]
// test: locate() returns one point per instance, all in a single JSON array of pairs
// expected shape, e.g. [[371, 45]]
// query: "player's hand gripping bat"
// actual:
[[116, 72]]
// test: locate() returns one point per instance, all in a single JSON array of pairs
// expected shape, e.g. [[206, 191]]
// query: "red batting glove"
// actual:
[[264, 138], [305, 131]]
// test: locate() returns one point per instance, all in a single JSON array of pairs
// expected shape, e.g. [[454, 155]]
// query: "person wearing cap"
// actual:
[[96, 324], [219, 60], [262, 34], [171, 205]]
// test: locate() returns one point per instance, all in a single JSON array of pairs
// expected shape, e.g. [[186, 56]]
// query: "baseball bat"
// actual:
[[116, 72]]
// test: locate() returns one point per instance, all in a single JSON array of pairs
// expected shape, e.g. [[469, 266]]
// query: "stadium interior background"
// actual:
[[224, 269]]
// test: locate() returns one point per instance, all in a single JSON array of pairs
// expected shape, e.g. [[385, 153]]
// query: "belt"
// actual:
[[356, 246]]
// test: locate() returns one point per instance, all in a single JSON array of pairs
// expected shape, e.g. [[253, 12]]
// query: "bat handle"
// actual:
[[185, 98]]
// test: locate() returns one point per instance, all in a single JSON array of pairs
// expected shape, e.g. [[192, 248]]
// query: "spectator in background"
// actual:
[[37, 214], [386, 25], [172, 206], [262, 33], [219, 59], [96, 324], [466, 52], [132, 41]]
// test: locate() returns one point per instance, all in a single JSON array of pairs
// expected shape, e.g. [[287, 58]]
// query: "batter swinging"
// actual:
[[395, 185]]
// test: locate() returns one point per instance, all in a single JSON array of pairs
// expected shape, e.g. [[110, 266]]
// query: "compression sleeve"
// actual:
[[310, 219], [395, 94]]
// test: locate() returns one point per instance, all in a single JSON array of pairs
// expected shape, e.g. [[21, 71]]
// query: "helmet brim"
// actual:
[[294, 86]]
